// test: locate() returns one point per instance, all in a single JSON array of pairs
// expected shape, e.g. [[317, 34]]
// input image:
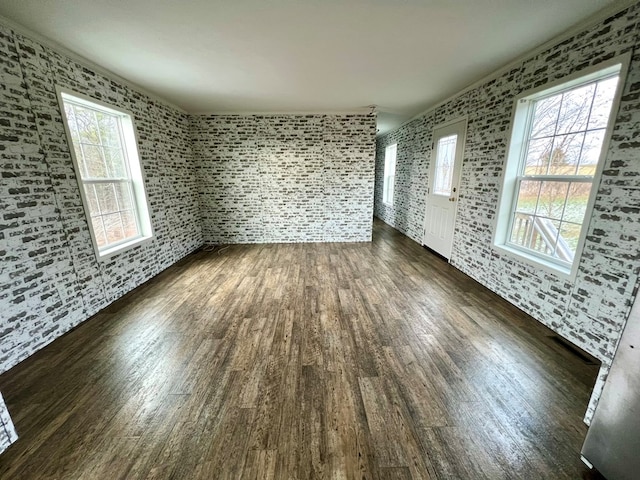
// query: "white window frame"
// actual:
[[129, 138], [389, 182], [516, 150]]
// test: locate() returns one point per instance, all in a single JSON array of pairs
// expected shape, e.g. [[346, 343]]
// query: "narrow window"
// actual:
[[556, 146], [443, 171], [389, 173], [107, 165]]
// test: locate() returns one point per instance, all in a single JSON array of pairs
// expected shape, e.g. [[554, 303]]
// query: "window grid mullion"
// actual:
[[557, 178], [95, 196], [574, 132], [564, 209], [555, 132], [97, 181], [104, 229], [115, 192], [584, 138], [534, 216], [123, 149], [133, 207], [121, 223], [95, 122], [84, 157]]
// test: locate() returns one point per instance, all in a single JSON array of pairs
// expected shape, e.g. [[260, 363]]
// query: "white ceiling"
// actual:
[[302, 55]]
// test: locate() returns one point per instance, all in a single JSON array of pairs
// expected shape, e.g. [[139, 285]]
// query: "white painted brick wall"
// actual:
[[50, 280], [278, 178], [285, 178], [591, 311]]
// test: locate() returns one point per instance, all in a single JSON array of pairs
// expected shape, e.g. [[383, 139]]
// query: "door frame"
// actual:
[[464, 120]]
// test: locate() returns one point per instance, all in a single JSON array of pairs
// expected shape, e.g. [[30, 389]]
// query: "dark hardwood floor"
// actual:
[[372, 360]]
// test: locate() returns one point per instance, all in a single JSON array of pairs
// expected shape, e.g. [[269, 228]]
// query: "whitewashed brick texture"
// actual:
[[590, 311], [285, 178], [50, 280], [275, 178]]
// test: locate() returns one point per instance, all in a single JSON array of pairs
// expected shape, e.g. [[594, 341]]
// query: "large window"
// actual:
[[389, 173], [108, 169], [556, 146]]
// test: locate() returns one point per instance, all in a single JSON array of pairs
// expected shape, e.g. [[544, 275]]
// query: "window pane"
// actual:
[[568, 241], [538, 155], [113, 227], [552, 199], [129, 224], [81, 162], [115, 162], [545, 236], [98, 230], [565, 154], [390, 160], [554, 229], [603, 100], [92, 200], [106, 195], [108, 128], [123, 192], [445, 157], [591, 152], [521, 229], [73, 127], [87, 126], [389, 173], [545, 116], [574, 112], [577, 202], [94, 161], [528, 196], [535, 233]]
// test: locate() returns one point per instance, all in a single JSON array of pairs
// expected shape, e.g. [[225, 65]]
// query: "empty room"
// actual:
[[306, 239]]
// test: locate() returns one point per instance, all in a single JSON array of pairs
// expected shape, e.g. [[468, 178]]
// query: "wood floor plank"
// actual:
[[260, 464], [297, 361], [381, 413]]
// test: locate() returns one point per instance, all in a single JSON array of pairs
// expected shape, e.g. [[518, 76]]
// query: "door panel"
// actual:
[[442, 197]]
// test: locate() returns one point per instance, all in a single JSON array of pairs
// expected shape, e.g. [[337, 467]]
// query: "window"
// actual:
[[389, 173], [444, 166], [554, 157], [106, 161]]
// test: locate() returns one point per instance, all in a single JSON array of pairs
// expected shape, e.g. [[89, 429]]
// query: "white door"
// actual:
[[443, 189]]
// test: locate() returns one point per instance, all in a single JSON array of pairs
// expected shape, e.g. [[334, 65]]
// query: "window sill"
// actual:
[[565, 273], [122, 247]]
